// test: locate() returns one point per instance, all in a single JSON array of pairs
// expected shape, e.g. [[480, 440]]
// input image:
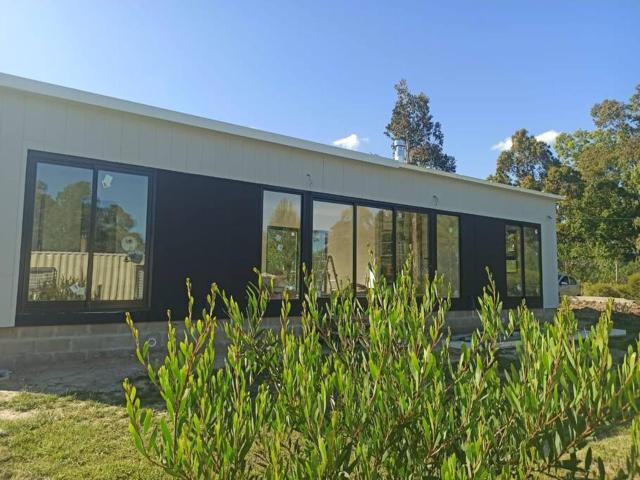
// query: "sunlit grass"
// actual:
[[66, 437], [70, 437]]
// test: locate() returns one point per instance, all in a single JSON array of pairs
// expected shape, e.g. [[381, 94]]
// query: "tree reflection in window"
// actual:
[[532, 262], [332, 247], [523, 265], [412, 238], [120, 236], [448, 252], [513, 260], [281, 242], [61, 236], [60, 230], [374, 236]]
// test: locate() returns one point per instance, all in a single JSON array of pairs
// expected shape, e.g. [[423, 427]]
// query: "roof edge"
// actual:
[[113, 103]]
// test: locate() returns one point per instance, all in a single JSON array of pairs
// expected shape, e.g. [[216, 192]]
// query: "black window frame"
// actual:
[[455, 300], [308, 197], [354, 226], [355, 206], [35, 157], [521, 226], [431, 247], [303, 220], [466, 300]]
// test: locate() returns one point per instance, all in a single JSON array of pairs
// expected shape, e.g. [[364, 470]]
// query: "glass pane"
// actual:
[[281, 242], [332, 246], [375, 234], [513, 259], [120, 237], [532, 262], [448, 251], [412, 237], [61, 215]]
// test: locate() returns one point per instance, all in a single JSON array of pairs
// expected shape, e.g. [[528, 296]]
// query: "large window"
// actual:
[[448, 252], [412, 238], [89, 235], [345, 236], [281, 214], [523, 261], [374, 236], [332, 248]]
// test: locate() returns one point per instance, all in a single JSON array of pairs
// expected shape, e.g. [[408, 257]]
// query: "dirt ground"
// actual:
[[101, 376]]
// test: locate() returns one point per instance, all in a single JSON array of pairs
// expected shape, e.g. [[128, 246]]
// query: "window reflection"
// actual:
[[374, 235], [120, 236], [412, 237], [513, 261], [61, 216], [448, 252], [532, 262], [281, 241], [332, 249]]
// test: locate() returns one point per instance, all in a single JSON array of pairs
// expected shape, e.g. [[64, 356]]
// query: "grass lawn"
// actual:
[[66, 437], [70, 437]]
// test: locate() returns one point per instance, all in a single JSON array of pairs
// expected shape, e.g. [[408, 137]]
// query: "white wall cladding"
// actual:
[[39, 122]]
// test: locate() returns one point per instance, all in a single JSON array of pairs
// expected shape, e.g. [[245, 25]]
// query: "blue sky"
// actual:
[[325, 70]]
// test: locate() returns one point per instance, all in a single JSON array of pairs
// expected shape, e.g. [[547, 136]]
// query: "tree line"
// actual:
[[597, 171]]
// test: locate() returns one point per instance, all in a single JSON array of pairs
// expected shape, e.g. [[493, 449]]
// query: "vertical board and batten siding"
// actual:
[[38, 122]]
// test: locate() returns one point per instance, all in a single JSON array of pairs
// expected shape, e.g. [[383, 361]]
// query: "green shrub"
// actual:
[[610, 290], [633, 286], [373, 389]]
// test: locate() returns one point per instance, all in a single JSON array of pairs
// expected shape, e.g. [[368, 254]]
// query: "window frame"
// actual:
[[520, 259], [301, 239], [35, 157], [521, 226], [354, 227], [431, 246], [355, 206], [309, 197], [434, 263], [462, 302]]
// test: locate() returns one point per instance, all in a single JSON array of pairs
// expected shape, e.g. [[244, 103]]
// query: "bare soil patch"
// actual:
[[6, 395], [102, 376], [13, 415]]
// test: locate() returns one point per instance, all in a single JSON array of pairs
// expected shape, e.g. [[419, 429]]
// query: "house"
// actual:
[[107, 205]]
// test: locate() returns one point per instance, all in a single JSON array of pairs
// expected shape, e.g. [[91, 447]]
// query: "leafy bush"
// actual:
[[630, 290], [633, 286], [374, 389], [611, 290]]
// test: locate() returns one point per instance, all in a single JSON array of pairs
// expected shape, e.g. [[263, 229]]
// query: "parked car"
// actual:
[[568, 285]]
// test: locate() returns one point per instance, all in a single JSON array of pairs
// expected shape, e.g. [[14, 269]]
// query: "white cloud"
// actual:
[[350, 142], [548, 137], [504, 145]]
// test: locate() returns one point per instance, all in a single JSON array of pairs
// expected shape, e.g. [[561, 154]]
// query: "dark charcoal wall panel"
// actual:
[[208, 230], [488, 252], [468, 256]]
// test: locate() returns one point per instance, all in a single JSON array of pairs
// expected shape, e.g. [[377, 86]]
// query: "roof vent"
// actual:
[[399, 150]]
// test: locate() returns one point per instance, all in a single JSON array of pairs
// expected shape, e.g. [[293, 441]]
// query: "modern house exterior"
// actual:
[[107, 206]]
